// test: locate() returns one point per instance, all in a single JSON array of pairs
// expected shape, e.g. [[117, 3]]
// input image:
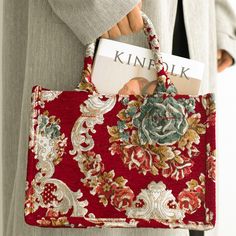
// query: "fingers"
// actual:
[[224, 60], [132, 23], [114, 32], [105, 35], [124, 26], [135, 20]]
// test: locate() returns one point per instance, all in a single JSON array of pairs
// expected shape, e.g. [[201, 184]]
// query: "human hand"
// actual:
[[131, 23], [224, 60], [133, 86]]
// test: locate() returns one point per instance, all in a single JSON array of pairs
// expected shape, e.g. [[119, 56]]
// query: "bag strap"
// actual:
[[164, 84]]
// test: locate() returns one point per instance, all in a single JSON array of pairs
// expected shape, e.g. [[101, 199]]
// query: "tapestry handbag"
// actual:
[[97, 160]]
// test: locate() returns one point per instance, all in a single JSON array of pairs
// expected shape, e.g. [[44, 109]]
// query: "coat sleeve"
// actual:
[[89, 19], [226, 26]]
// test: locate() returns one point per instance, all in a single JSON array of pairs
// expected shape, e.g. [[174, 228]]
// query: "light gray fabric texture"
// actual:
[[13, 74], [84, 23], [44, 43]]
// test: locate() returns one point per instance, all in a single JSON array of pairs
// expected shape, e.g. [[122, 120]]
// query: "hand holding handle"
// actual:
[[163, 82]]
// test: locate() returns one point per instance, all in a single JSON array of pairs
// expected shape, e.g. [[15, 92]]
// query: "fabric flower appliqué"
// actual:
[[161, 122]]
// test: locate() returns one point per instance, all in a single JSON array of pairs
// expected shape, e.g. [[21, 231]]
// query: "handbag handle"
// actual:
[[164, 84]]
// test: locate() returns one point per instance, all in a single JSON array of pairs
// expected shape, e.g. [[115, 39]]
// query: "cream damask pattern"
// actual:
[[153, 134], [48, 143], [92, 113], [155, 202]]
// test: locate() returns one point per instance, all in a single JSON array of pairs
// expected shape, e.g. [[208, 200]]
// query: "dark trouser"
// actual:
[[180, 48], [180, 42]]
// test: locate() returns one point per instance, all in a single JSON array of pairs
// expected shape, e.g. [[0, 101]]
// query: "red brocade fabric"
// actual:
[[121, 160]]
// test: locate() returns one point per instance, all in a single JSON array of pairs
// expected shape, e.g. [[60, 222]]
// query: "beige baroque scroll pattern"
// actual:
[[155, 202], [48, 143], [159, 203], [92, 114]]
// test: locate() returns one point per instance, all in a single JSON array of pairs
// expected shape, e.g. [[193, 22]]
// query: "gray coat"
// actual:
[[44, 43]]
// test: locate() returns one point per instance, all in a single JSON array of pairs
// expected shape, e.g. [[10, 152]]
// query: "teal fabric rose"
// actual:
[[160, 121]]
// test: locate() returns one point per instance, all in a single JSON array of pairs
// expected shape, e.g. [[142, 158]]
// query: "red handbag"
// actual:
[[99, 160]]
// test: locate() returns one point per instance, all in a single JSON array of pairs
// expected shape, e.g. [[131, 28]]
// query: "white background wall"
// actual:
[[226, 154]]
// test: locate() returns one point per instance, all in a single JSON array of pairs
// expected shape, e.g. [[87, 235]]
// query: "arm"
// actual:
[[89, 19], [226, 33]]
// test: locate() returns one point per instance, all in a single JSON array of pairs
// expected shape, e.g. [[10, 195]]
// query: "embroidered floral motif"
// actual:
[[86, 83], [138, 158], [31, 202], [177, 167], [158, 135], [38, 99], [53, 219], [208, 103], [160, 121], [48, 146], [48, 96], [209, 216], [192, 136], [104, 184], [211, 163], [191, 198], [157, 202], [144, 138], [50, 143]]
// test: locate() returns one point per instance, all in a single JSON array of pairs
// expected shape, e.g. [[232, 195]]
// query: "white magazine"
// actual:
[[124, 68]]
